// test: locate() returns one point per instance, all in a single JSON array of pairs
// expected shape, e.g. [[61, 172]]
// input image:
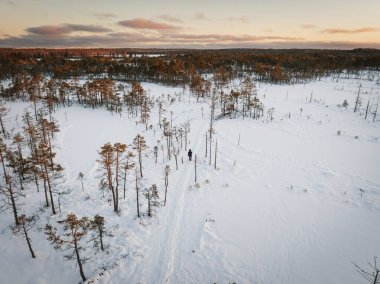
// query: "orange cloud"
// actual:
[[140, 23], [347, 31]]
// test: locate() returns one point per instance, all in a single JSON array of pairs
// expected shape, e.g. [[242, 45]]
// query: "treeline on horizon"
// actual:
[[179, 66]]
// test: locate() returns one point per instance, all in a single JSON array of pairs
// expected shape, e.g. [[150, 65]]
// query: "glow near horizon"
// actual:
[[195, 23]]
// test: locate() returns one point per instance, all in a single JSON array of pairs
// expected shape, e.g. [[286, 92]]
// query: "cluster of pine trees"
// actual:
[[179, 66]]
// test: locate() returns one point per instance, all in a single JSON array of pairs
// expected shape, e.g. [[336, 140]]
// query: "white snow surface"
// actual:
[[283, 206]]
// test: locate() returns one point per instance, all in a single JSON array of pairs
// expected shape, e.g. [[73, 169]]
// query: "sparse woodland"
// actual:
[[224, 82]]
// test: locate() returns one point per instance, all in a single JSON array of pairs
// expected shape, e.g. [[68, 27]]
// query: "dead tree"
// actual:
[[175, 154], [74, 230], [160, 111], [155, 152], [206, 146], [211, 131], [166, 178], [81, 177], [357, 101], [167, 133], [216, 150], [137, 187], [186, 131], [25, 224], [366, 110], [372, 276]]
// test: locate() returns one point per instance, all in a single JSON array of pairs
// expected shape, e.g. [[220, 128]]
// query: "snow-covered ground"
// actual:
[[293, 202]]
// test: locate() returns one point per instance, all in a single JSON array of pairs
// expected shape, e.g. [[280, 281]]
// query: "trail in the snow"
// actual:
[[165, 260]]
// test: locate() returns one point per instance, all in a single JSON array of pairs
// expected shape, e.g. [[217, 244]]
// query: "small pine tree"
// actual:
[[97, 224], [152, 198], [139, 146], [75, 229]]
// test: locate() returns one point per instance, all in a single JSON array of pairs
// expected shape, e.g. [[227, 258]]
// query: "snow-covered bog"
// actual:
[[292, 197]]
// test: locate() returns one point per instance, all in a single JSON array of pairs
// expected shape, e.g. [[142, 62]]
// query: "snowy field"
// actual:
[[290, 201]]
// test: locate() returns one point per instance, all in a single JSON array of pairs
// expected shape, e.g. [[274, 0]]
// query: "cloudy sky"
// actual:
[[190, 23]]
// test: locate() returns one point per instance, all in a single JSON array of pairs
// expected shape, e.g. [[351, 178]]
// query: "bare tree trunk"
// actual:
[[117, 182], [141, 174], [366, 111], [206, 146], [8, 181], [46, 194], [101, 239], [357, 101], [210, 142], [176, 162], [137, 195], [36, 180], [11, 196], [2, 126], [50, 190], [28, 240], [149, 211], [166, 186], [125, 178], [79, 261]]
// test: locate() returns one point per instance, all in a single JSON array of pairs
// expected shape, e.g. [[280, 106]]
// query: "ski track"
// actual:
[[166, 257]]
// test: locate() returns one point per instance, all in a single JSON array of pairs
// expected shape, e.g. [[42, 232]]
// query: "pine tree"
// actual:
[[3, 113], [107, 158], [48, 170], [8, 191], [97, 224], [119, 149], [139, 146], [74, 230], [152, 198]]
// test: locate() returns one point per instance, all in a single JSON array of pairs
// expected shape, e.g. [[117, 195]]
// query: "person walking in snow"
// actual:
[[190, 154]]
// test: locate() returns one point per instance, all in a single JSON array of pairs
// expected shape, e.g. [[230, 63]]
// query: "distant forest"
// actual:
[[179, 67]]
